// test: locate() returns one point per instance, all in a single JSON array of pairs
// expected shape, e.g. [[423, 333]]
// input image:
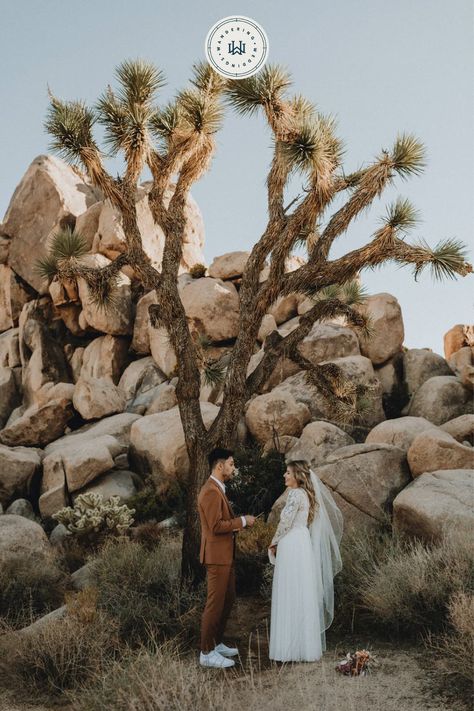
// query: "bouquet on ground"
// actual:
[[359, 663]]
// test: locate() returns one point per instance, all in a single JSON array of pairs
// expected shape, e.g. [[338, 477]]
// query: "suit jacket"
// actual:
[[218, 525]]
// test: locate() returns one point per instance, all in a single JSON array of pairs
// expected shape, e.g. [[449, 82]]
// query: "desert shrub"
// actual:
[[72, 552], [151, 506], [29, 589], [198, 270], [62, 653], [141, 589], [252, 557], [400, 584], [454, 648], [258, 482], [148, 534], [155, 679], [93, 519]]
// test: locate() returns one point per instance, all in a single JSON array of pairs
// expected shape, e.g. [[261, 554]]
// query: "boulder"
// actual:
[[462, 364], [22, 538], [164, 398], [436, 502], [440, 399], [275, 412], [18, 466], [10, 348], [456, 338], [141, 337], [49, 196], [75, 363], [38, 425], [284, 308], [97, 397], [13, 296], [317, 441], [115, 483], [9, 397], [161, 350], [157, 445], [364, 479], [434, 450], [54, 391], [281, 444], [282, 370], [400, 432], [87, 223], [118, 426], [21, 507], [42, 358], [59, 534], [461, 428], [419, 365], [140, 382], [83, 577], [327, 341], [388, 332], [106, 357], [117, 318], [212, 306], [267, 326], [229, 265], [394, 388]]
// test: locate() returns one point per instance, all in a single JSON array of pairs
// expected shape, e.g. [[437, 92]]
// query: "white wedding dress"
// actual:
[[306, 561]]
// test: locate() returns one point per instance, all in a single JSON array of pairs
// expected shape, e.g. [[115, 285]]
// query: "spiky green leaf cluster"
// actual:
[[65, 246], [138, 82], [351, 293], [207, 80], [70, 124], [214, 373], [202, 113], [164, 123], [408, 155], [312, 146], [401, 215], [446, 260], [264, 88]]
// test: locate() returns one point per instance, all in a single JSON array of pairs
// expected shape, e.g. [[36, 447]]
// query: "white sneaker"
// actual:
[[226, 651], [215, 660]]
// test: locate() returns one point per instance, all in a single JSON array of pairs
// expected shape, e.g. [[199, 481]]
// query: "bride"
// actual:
[[305, 552]]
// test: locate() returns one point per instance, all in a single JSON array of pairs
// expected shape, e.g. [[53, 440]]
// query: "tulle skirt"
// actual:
[[296, 628]]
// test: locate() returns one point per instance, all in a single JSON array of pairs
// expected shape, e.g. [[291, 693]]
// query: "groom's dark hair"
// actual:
[[217, 454]]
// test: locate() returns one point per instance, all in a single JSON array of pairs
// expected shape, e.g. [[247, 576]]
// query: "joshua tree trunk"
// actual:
[[183, 145]]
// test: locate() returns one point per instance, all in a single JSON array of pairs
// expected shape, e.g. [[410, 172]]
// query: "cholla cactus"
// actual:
[[92, 515]]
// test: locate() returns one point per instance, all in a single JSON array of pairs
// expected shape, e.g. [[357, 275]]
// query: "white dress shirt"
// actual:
[[222, 485]]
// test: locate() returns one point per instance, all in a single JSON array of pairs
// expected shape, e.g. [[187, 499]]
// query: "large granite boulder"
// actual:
[[118, 426], [13, 296], [106, 357], [117, 318], [275, 412], [10, 348], [364, 479], [434, 450], [462, 364], [162, 351], [9, 396], [49, 196], [157, 445], [212, 306], [440, 399], [228, 266], [114, 483], [317, 441], [461, 428], [38, 425], [456, 338], [419, 365], [22, 538], [18, 466], [435, 503], [139, 382], [141, 326], [400, 432], [388, 332], [163, 398], [97, 397], [327, 341]]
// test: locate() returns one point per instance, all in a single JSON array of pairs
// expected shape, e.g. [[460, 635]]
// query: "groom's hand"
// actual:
[[250, 520]]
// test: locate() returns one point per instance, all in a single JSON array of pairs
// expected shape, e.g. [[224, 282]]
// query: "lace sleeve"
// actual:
[[287, 516]]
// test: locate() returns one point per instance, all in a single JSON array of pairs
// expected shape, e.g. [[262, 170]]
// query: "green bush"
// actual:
[[259, 481], [150, 506], [28, 589], [141, 589]]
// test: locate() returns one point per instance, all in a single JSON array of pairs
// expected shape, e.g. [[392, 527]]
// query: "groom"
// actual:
[[218, 531]]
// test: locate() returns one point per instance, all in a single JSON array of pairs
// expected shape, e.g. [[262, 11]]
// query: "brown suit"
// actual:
[[218, 526]]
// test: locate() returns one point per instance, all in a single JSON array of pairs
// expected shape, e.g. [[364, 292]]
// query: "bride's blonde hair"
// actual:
[[300, 470]]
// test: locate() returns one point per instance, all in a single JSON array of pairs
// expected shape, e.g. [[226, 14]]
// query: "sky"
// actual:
[[379, 67]]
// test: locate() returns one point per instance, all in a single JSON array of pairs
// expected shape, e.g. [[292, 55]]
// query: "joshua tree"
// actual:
[[177, 142]]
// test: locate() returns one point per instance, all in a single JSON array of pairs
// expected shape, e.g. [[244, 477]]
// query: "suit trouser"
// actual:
[[220, 598]]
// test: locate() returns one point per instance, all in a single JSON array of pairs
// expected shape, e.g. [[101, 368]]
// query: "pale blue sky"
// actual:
[[380, 66]]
